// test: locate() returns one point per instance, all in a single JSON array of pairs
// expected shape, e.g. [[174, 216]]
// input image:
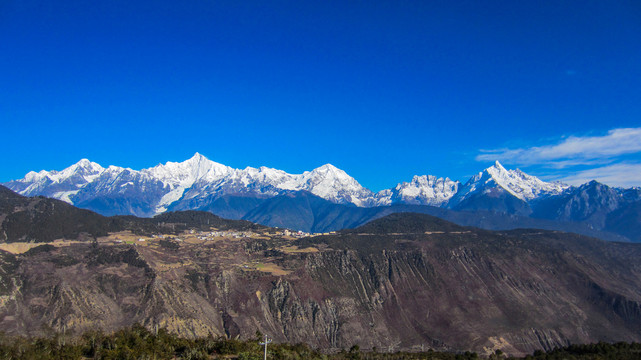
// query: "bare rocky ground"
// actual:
[[406, 282]]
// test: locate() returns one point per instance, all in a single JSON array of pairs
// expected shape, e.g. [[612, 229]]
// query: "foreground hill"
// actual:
[[43, 219], [405, 281]]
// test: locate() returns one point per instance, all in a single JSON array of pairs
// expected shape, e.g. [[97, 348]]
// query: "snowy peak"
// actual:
[[86, 164], [497, 170], [186, 173], [33, 176], [430, 181], [328, 182], [421, 190], [332, 183], [198, 157], [83, 171], [327, 174], [329, 169], [519, 184], [84, 168]]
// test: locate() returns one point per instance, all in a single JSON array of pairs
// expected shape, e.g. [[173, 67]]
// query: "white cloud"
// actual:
[[621, 175], [613, 158], [572, 151]]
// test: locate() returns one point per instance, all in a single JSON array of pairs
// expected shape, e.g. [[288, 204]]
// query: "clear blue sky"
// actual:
[[382, 89]]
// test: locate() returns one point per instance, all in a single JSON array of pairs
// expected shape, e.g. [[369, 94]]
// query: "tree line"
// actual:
[[137, 342]]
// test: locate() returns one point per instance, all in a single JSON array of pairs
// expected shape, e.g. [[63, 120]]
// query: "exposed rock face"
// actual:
[[459, 288]]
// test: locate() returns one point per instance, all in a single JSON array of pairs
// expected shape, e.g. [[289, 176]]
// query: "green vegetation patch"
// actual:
[[137, 342]]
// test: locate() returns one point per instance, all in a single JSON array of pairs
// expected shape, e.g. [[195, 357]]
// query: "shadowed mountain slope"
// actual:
[[407, 223], [44, 219], [41, 219], [307, 212], [626, 221]]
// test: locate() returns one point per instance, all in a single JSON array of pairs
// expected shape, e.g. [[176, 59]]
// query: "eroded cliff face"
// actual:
[[466, 291]]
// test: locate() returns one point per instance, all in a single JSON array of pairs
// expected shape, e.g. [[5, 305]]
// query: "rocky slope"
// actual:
[[402, 282]]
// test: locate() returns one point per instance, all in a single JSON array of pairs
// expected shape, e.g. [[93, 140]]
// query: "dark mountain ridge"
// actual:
[[41, 219], [310, 213], [406, 223]]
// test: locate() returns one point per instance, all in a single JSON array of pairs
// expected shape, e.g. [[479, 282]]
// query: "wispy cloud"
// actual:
[[572, 151], [622, 175], [613, 158]]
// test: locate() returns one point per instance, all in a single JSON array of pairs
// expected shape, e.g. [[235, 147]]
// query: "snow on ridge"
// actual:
[[428, 190], [332, 183], [33, 176], [84, 168], [522, 185], [186, 173], [169, 198], [421, 190]]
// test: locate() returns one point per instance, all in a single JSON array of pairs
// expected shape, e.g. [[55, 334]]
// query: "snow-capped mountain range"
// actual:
[[198, 181], [327, 198]]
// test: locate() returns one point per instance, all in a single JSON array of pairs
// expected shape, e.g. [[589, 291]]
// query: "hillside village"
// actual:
[[194, 236]]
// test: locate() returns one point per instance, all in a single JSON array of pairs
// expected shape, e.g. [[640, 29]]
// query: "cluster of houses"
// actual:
[[301, 234], [211, 235], [298, 234]]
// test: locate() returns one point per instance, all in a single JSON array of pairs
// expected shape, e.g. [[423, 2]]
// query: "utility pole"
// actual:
[[265, 342]]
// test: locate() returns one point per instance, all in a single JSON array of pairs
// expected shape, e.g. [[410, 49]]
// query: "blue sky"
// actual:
[[381, 89]]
